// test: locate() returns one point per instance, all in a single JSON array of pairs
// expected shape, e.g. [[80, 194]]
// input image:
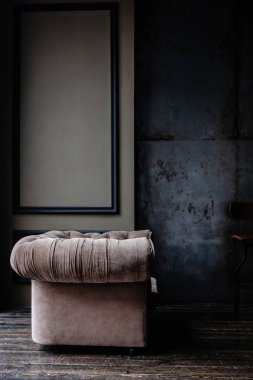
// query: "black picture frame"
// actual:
[[113, 208]]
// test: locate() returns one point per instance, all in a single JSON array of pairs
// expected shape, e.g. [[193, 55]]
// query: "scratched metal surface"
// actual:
[[245, 182], [245, 72], [185, 71], [194, 86], [184, 189], [245, 170]]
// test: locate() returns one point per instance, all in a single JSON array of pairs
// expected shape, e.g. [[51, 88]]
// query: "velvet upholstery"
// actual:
[[73, 257], [89, 314], [88, 289]]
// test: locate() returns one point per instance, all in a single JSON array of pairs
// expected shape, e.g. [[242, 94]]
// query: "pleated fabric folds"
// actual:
[[73, 257]]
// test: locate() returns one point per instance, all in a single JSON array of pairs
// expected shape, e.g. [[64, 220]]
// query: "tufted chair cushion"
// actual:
[[73, 257]]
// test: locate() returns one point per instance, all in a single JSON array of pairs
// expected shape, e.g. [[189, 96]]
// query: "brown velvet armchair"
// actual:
[[87, 289]]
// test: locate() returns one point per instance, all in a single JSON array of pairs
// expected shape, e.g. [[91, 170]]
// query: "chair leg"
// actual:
[[238, 280], [237, 299]]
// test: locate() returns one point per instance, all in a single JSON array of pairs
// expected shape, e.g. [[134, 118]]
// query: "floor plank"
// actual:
[[183, 345]]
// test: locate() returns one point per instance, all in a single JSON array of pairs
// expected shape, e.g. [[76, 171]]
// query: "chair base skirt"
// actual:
[[89, 314]]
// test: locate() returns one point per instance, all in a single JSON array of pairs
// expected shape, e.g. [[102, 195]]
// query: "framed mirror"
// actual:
[[65, 119]]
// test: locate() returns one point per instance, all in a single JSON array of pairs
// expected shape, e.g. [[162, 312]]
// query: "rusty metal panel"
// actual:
[[183, 193], [185, 71]]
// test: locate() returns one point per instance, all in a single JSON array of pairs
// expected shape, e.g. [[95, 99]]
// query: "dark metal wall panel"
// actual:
[[184, 188], [246, 72], [185, 72], [245, 170], [194, 86]]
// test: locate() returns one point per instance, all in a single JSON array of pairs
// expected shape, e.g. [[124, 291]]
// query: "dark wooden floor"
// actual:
[[184, 345]]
